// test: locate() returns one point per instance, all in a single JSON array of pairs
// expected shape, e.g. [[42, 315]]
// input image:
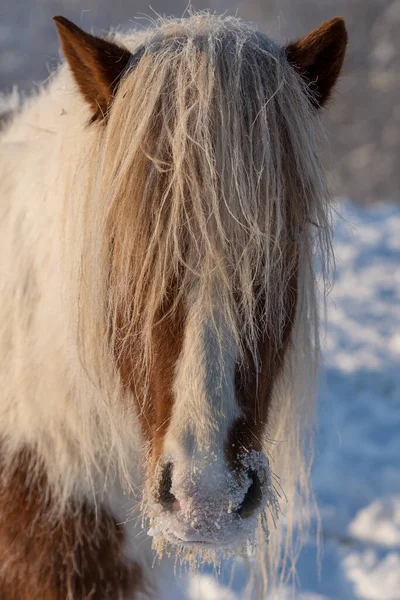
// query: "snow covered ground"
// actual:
[[357, 468], [356, 473]]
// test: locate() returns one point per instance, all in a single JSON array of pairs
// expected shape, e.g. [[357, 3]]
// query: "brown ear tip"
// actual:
[[337, 25], [63, 23], [337, 21], [58, 20]]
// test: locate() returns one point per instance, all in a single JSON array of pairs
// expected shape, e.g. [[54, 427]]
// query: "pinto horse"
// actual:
[[162, 201]]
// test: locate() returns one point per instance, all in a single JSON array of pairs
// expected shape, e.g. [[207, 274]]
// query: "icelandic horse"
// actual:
[[162, 201]]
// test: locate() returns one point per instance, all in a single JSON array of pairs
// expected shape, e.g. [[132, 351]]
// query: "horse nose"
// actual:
[[209, 501], [250, 504], [165, 497], [253, 497]]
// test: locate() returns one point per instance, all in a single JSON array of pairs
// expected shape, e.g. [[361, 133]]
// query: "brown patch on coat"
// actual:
[[168, 339], [155, 412], [96, 64], [254, 388], [319, 58], [45, 557]]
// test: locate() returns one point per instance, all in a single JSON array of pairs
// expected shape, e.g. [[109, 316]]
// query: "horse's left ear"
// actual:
[[319, 58], [97, 64]]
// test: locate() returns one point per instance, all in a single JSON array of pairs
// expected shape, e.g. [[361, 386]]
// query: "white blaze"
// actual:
[[208, 491], [205, 405]]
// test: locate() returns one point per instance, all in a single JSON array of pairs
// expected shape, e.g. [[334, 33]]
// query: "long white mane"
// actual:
[[207, 171]]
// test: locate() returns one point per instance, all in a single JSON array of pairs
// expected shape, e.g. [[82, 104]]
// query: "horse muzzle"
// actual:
[[210, 504]]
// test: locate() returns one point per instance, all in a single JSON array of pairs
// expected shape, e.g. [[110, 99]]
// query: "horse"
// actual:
[[163, 201]]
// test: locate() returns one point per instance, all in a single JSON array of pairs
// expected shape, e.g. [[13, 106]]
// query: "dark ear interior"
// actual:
[[97, 64], [319, 58]]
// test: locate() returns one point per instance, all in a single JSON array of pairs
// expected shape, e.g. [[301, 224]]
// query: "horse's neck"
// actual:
[[45, 400], [40, 112]]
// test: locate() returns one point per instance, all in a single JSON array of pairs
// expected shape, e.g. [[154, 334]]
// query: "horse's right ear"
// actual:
[[96, 64], [319, 58]]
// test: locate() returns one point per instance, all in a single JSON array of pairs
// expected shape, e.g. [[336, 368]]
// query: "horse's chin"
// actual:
[[204, 543], [197, 545], [200, 544], [194, 552]]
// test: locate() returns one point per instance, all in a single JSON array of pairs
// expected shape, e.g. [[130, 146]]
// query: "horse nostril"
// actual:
[[253, 497], [165, 497]]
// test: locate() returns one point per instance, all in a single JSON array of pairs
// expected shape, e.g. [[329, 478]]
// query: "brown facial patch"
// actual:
[[96, 64], [319, 58], [42, 557], [155, 412], [167, 344], [254, 389]]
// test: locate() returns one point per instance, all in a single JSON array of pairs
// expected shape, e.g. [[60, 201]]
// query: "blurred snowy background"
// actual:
[[357, 466]]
